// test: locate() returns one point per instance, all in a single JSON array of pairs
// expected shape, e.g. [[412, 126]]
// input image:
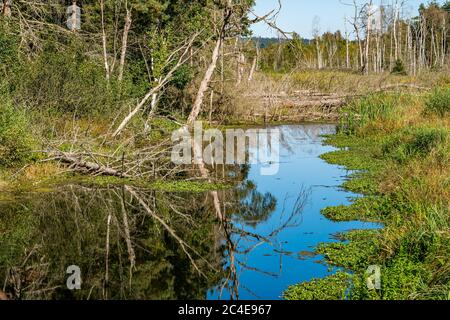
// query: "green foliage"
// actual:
[[15, 137], [405, 183], [417, 142], [182, 77], [334, 287], [399, 68], [352, 255], [68, 81], [370, 208], [362, 183], [187, 186], [370, 108], [14, 236], [438, 102], [8, 46]]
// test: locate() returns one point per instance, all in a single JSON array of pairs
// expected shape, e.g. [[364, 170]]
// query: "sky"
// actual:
[[298, 15]]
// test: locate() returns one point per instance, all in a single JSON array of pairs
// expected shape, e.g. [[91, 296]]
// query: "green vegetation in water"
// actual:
[[403, 174], [330, 288], [188, 186]]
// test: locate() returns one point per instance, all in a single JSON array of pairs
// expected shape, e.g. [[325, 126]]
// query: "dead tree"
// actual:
[[184, 56], [6, 8], [104, 44], [126, 30], [254, 64], [196, 108]]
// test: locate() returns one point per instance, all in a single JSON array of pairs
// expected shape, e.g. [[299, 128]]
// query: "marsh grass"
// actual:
[[403, 156], [438, 102]]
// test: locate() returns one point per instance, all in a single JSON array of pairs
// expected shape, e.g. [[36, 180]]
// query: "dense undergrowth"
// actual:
[[399, 147]]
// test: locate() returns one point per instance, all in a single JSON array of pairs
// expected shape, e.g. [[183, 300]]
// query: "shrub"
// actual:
[[69, 81], [15, 139], [399, 68], [438, 102]]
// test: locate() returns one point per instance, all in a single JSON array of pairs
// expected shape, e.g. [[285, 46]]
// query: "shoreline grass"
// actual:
[[403, 162]]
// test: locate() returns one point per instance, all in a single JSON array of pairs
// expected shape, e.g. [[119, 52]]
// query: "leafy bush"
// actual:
[[438, 102], [69, 81], [15, 139], [399, 68]]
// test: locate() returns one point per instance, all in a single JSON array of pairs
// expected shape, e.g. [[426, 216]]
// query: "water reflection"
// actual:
[[133, 243]]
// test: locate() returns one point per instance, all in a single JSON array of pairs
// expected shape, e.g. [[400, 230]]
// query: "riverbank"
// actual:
[[397, 146]]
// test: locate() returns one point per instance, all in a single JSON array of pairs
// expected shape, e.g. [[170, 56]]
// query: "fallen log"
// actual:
[[78, 163]]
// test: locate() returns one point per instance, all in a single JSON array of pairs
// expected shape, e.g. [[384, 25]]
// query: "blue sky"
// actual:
[[298, 15]]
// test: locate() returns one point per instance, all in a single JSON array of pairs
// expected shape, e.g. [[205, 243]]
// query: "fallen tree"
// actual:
[[78, 163]]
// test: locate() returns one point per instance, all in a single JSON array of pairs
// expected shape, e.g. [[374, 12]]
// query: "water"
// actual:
[[267, 272], [132, 243]]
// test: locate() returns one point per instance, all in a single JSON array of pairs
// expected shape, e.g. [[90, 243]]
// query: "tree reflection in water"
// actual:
[[133, 243]]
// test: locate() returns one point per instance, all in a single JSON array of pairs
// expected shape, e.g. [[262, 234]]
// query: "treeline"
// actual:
[[118, 65], [98, 55], [377, 39]]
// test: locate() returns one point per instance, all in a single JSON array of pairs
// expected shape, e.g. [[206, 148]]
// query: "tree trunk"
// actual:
[[209, 72], [205, 82], [124, 43], [240, 67], [444, 40], [347, 54], [395, 35], [252, 70], [105, 52], [366, 60], [6, 9]]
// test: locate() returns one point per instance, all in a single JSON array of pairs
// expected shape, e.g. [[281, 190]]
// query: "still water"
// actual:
[[132, 243], [268, 269]]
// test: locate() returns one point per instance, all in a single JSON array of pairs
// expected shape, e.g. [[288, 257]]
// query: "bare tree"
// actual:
[[6, 8], [212, 66], [316, 35], [104, 43], [183, 52], [126, 30]]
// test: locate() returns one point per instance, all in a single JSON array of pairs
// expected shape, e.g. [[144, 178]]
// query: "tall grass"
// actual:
[[438, 102], [370, 108]]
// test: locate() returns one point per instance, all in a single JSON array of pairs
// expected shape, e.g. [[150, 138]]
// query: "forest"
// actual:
[[92, 91]]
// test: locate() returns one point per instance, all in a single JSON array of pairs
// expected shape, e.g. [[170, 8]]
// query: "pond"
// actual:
[[132, 243]]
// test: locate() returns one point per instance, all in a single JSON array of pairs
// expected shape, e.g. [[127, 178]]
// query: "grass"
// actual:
[[402, 156], [438, 102]]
